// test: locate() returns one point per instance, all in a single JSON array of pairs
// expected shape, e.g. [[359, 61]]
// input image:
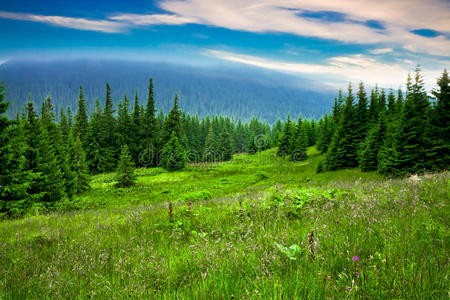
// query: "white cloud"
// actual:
[[76, 23], [381, 51], [342, 68], [398, 18], [153, 19]]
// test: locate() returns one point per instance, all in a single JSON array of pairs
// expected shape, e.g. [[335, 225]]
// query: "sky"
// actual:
[[335, 42]]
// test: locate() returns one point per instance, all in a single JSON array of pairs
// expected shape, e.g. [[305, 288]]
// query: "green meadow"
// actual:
[[256, 227]]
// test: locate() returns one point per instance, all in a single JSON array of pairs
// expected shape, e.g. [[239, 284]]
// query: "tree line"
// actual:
[[393, 133], [46, 159]]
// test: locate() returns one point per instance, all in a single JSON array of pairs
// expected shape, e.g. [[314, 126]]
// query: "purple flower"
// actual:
[[345, 269], [355, 258], [348, 288], [359, 274]]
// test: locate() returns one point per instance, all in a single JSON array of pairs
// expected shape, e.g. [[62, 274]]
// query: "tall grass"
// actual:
[[370, 237]]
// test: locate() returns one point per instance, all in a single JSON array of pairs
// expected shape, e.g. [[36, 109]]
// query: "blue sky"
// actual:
[[328, 40]]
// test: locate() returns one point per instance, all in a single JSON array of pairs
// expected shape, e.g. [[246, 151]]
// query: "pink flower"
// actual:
[[355, 258]]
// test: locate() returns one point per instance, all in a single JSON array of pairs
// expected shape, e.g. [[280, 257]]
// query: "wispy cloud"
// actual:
[[156, 19], [398, 18], [381, 51], [341, 68], [69, 22]]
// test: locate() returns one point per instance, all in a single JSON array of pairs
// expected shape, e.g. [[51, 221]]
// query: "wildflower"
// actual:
[[359, 275], [355, 258], [345, 269], [348, 288]]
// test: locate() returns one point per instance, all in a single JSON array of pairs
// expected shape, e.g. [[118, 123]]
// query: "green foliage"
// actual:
[[125, 176], [196, 196], [342, 152], [292, 252], [173, 157]]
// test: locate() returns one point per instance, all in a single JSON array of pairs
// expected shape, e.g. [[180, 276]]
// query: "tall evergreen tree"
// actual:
[[210, 154], [300, 143], [81, 118], [284, 147], [125, 170], [173, 154], [225, 145], [438, 154], [408, 149], [78, 165], [342, 151]]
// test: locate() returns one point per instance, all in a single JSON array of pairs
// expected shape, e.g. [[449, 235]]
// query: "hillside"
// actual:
[[258, 227], [242, 93]]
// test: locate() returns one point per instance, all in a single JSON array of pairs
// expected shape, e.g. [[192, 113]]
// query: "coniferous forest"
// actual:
[[129, 201], [45, 161]]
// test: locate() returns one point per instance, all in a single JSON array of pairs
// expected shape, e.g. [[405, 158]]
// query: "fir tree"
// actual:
[[173, 154], [78, 165], [406, 153], [342, 151], [225, 145], [362, 115], [125, 176], [81, 118], [300, 143], [210, 154], [371, 146], [284, 147], [438, 154]]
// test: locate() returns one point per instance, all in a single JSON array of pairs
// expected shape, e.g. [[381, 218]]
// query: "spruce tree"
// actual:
[[284, 146], [406, 154], [81, 118], [107, 127], [225, 145], [362, 115], [78, 165], [125, 176], [438, 154], [173, 154], [300, 143], [14, 179], [370, 148], [342, 152], [211, 150]]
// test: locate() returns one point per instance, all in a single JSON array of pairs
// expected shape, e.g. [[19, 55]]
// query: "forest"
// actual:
[[44, 161], [128, 202]]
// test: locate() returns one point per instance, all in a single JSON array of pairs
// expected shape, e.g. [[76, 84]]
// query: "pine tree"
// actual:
[[406, 152], [210, 154], [252, 146], [125, 170], [81, 118], [300, 143], [225, 145], [362, 115], [342, 152], [438, 154], [173, 154], [368, 160], [149, 142], [107, 128], [284, 147], [78, 165], [14, 179], [325, 134], [173, 124]]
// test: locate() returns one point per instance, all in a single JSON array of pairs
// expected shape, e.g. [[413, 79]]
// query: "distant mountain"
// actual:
[[237, 92]]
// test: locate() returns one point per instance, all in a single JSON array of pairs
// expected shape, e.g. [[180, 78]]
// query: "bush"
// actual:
[[197, 195], [261, 175]]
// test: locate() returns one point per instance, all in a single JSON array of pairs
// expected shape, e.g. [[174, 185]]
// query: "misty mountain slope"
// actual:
[[233, 92]]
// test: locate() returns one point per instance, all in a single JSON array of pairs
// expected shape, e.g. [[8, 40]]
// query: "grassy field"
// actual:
[[258, 227]]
